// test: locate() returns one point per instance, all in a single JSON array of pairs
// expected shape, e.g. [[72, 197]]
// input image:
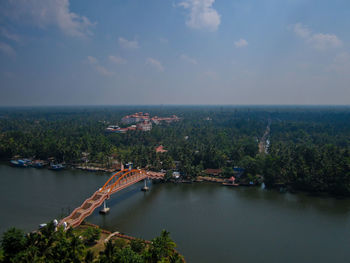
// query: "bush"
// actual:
[[91, 235], [13, 242]]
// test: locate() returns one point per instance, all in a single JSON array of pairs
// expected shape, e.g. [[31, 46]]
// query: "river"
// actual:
[[209, 222]]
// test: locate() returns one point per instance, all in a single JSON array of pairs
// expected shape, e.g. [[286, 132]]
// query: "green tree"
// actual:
[[13, 242], [91, 235], [162, 246], [127, 255]]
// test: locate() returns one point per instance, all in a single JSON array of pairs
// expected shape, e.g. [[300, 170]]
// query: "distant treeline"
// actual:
[[309, 146]]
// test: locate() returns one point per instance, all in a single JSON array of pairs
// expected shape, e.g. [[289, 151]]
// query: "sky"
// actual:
[[151, 52]]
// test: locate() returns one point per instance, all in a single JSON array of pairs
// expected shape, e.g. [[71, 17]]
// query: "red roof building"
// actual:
[[160, 149], [213, 172], [135, 118], [144, 126], [157, 120]]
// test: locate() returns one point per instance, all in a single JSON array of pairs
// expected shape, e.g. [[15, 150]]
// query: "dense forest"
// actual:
[[49, 245], [308, 149]]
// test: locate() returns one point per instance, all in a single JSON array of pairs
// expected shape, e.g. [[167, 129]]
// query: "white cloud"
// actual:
[[96, 65], [202, 15], [155, 64], [241, 43], [318, 41], [301, 31], [324, 41], [46, 13], [117, 59], [5, 33], [128, 44], [7, 49], [188, 59]]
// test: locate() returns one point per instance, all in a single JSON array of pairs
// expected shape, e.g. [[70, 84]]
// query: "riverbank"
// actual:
[[111, 236], [107, 236], [269, 221], [40, 164], [281, 187], [86, 243]]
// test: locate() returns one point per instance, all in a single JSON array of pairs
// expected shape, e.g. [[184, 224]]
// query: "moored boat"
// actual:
[[56, 167], [19, 163], [38, 164], [230, 184]]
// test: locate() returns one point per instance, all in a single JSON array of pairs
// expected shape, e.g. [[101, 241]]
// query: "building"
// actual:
[[213, 172], [157, 120], [144, 126], [132, 128], [160, 149], [117, 129], [122, 130], [112, 128], [143, 122], [176, 175], [135, 118]]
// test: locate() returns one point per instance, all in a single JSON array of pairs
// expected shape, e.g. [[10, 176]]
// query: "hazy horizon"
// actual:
[[181, 52], [145, 106]]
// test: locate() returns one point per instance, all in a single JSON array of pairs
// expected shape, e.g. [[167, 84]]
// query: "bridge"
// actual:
[[116, 183]]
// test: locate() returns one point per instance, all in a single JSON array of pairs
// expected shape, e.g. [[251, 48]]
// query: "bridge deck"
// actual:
[[124, 180]]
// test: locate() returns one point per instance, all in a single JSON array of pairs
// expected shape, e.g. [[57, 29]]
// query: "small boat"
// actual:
[[56, 167], [186, 181], [247, 184], [19, 163], [42, 225], [230, 184], [38, 164]]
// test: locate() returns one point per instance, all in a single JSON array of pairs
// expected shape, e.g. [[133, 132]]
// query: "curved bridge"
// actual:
[[116, 183]]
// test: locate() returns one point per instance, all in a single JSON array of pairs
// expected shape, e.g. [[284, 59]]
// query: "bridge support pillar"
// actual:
[[105, 209], [145, 187]]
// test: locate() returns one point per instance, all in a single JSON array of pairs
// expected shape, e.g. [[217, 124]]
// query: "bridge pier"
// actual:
[[105, 209], [145, 188], [116, 183]]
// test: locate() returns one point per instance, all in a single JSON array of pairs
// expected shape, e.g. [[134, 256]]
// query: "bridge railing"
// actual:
[[109, 188], [87, 212], [127, 184], [79, 207], [123, 176], [112, 177]]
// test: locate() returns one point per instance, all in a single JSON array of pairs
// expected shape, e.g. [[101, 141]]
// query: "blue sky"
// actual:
[[84, 52]]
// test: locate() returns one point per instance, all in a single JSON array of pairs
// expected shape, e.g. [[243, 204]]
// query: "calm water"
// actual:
[[210, 223]]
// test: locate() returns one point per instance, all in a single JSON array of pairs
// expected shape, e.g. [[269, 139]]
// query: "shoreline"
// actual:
[[282, 188], [106, 236]]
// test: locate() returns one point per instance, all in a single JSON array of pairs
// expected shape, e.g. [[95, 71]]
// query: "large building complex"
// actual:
[[135, 118], [143, 122]]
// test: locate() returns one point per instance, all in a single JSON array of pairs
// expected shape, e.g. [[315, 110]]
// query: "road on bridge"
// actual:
[[115, 183]]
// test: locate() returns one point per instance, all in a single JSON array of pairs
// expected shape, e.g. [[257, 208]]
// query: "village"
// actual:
[[143, 122], [140, 121]]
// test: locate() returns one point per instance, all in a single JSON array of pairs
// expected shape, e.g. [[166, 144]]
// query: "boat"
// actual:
[[186, 181], [56, 167], [230, 184], [42, 225], [19, 163], [38, 164], [247, 184]]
